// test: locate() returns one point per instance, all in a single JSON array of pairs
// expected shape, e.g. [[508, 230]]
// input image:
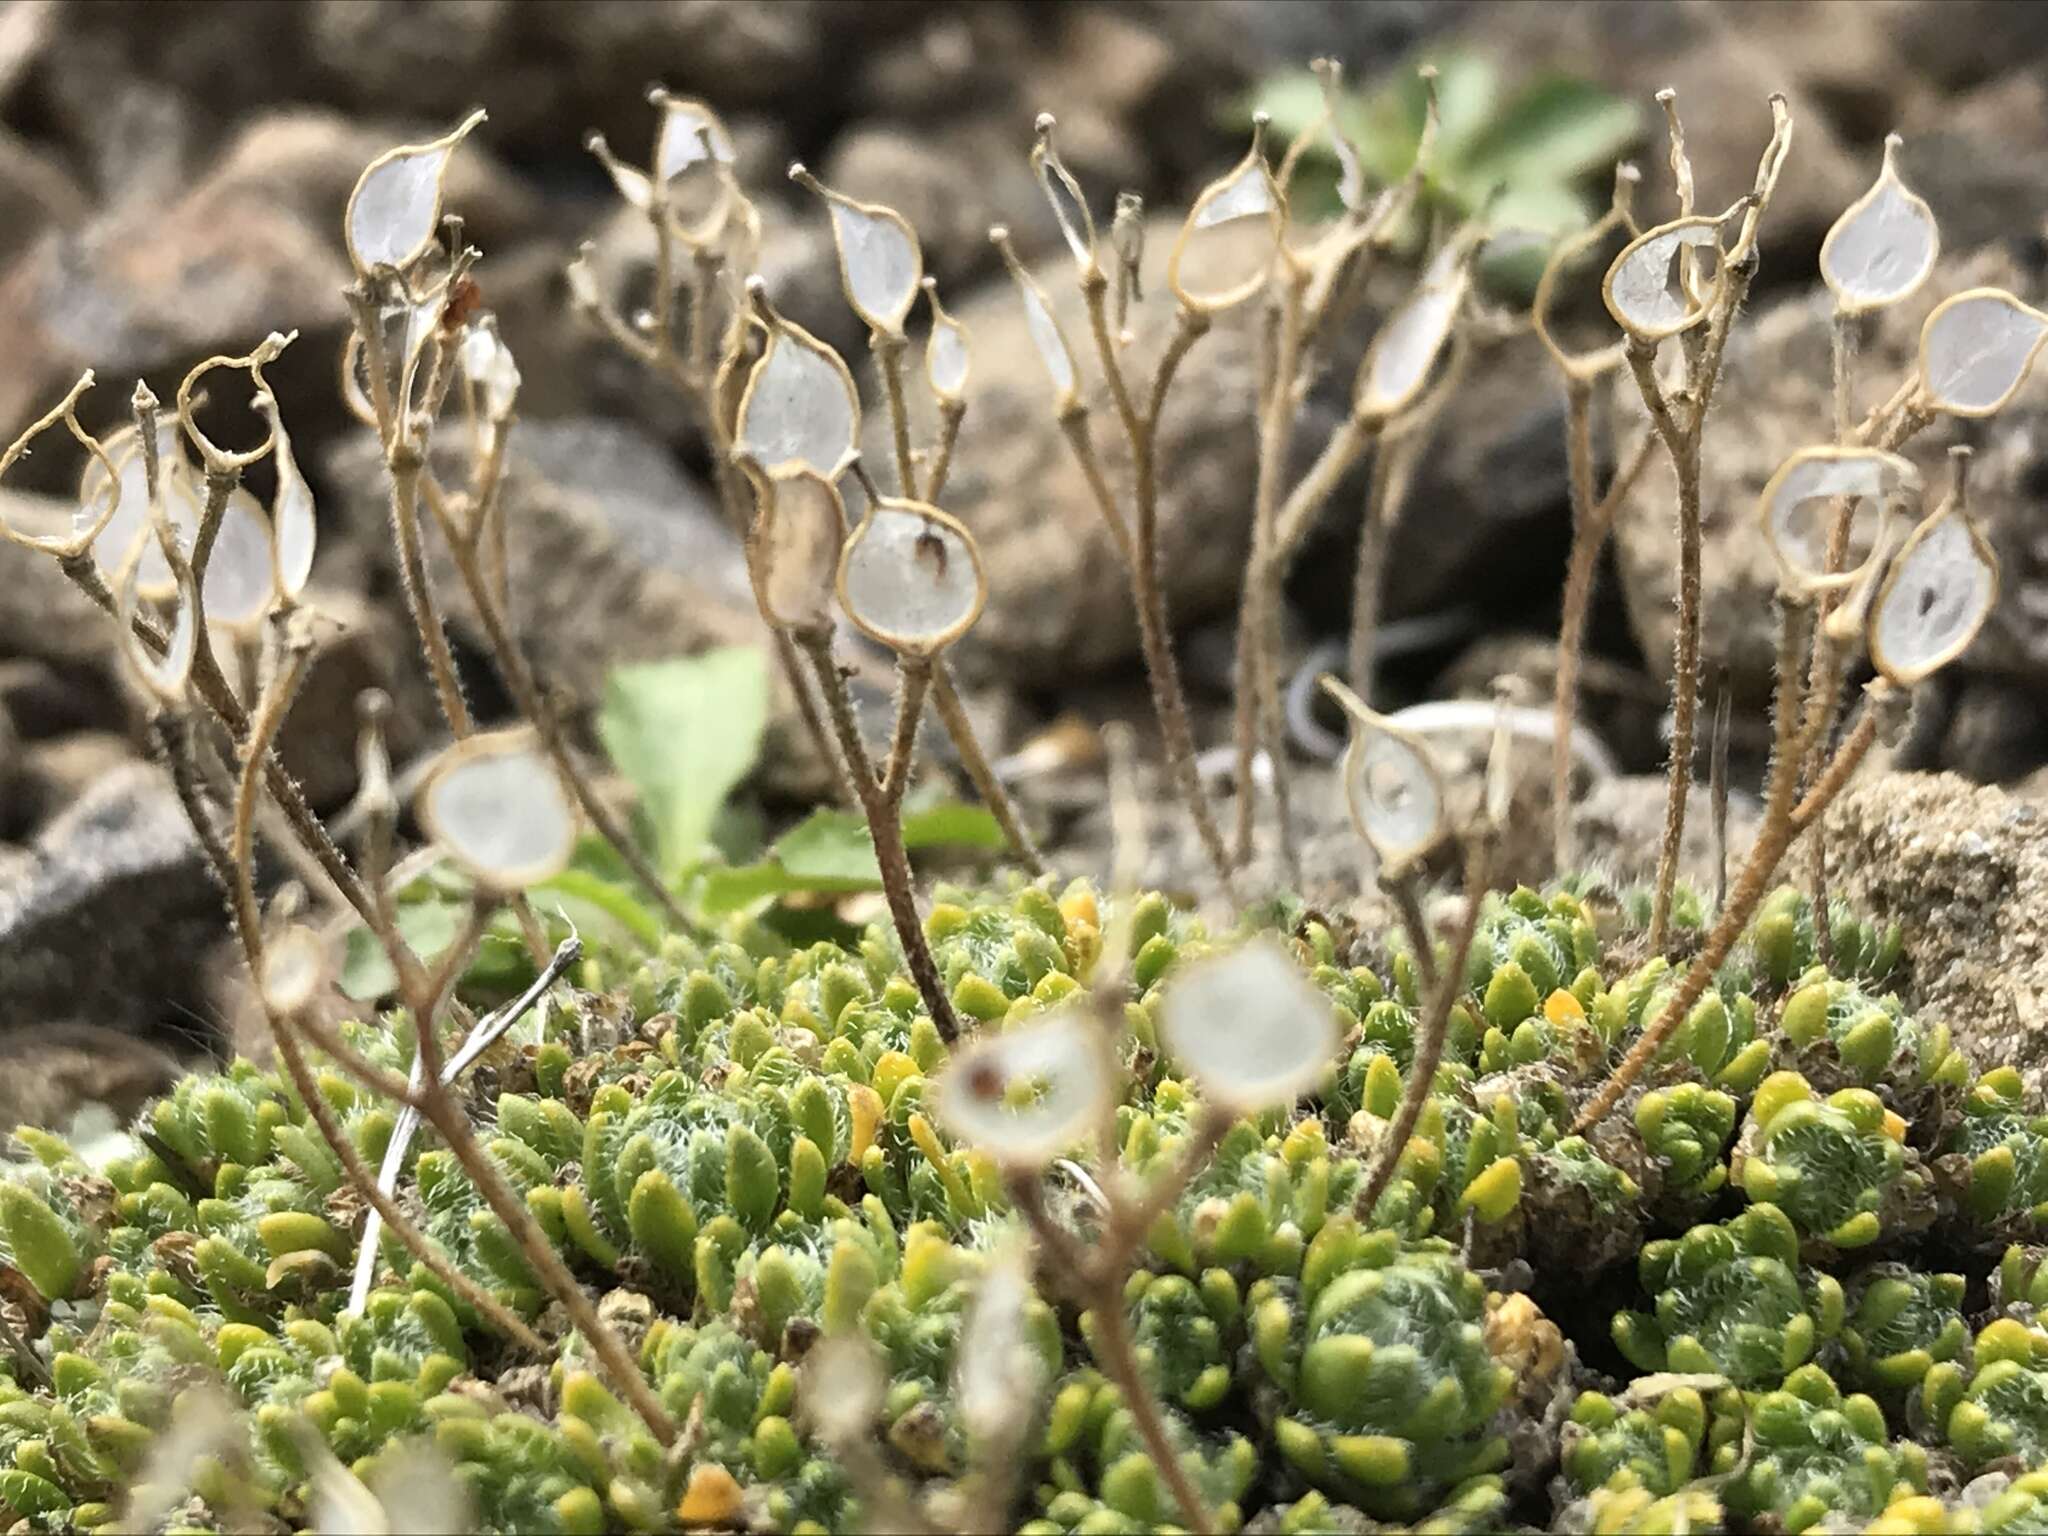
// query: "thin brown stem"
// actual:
[[1074, 425], [888, 352], [1429, 1037], [1120, 1363], [950, 412], [1094, 288], [1403, 887], [1368, 585], [1580, 569], [913, 680], [981, 773], [406, 465], [886, 829]]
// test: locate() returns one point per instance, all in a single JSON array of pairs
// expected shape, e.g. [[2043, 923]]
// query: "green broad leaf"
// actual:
[[1558, 130], [1292, 99], [684, 732], [428, 927], [829, 853]]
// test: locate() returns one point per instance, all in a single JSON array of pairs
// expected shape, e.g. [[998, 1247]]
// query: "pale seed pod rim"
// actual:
[[1979, 295], [783, 331], [770, 484], [1697, 307], [1275, 213], [890, 321], [929, 645], [519, 741], [1907, 677], [1896, 477], [446, 145]]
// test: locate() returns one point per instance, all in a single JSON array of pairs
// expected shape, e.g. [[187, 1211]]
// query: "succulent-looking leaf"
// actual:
[[880, 264], [911, 577], [296, 965], [164, 676], [1883, 246], [1403, 355], [1069, 204], [1231, 236], [1976, 350], [1796, 509], [800, 408], [1934, 599], [793, 550], [495, 805], [947, 356], [1026, 1095], [1251, 1027], [397, 201], [1392, 784], [1645, 287], [294, 531], [240, 578]]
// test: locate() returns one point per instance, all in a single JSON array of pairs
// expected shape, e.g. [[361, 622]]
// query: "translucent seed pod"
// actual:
[[1250, 1026], [1883, 246], [793, 549], [128, 528], [296, 969], [1392, 784], [800, 407], [1645, 288], [396, 204], [692, 168], [1046, 334], [1403, 356], [489, 368], [163, 676], [1976, 349], [1798, 507], [633, 184], [880, 262], [494, 804], [100, 492], [294, 529], [211, 454], [911, 577], [1304, 244], [1028, 1094], [240, 579], [1232, 233], [1938, 593], [948, 355], [355, 377], [1069, 203]]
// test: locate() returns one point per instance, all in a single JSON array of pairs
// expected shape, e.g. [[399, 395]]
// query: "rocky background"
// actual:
[[172, 176]]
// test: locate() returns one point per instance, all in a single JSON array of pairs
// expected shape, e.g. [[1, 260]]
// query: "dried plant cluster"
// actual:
[[1042, 1206]]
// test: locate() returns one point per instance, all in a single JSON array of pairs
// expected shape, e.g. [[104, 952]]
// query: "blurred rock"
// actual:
[[1619, 704], [52, 775], [365, 645], [42, 700], [50, 1073], [1618, 829], [36, 194], [1997, 731], [109, 916], [1959, 154], [45, 617], [1964, 870]]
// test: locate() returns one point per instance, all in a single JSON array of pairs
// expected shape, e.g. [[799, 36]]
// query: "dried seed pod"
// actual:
[[880, 263], [396, 204], [1069, 204], [800, 407], [1646, 289], [487, 363], [296, 967], [1937, 594], [1883, 246], [1392, 784], [1231, 235], [1403, 356], [1250, 1026], [127, 528], [1028, 1094], [1797, 506], [948, 356], [99, 492], [794, 547], [690, 134], [165, 676], [294, 530], [1046, 334], [1977, 349], [495, 805], [240, 579], [211, 454], [911, 577]]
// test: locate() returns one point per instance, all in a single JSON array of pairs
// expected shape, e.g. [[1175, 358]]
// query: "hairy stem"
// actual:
[[1120, 1363], [888, 352], [953, 714], [950, 412], [406, 463]]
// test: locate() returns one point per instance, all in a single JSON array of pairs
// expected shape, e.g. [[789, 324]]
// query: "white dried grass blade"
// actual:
[[911, 577], [1027, 1095], [496, 806], [1250, 1026]]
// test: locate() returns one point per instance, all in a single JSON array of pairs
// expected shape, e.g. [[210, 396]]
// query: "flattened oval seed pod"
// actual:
[[1795, 511], [1231, 236], [495, 805], [294, 530], [880, 263], [1250, 1026], [1392, 784], [793, 550], [296, 966], [1935, 598], [800, 408], [1028, 1094], [1404, 354], [164, 676], [1046, 334], [240, 578], [1977, 349], [1645, 289], [397, 200], [1069, 204], [1883, 246], [911, 577], [948, 355]]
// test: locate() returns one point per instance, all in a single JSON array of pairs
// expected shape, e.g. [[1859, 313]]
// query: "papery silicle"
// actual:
[[496, 806], [1250, 1026], [1069, 205], [911, 577], [397, 201], [1934, 599], [129, 524], [1977, 348], [946, 357], [1645, 288], [294, 529], [1028, 1094], [1402, 356], [240, 574], [793, 550], [1232, 233], [1392, 785], [1883, 246], [880, 264], [165, 675], [800, 408], [1799, 501]]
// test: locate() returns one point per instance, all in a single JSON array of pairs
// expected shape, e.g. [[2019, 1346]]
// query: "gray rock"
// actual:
[[109, 917], [1996, 731], [1618, 828], [1964, 871], [43, 700], [54, 774]]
